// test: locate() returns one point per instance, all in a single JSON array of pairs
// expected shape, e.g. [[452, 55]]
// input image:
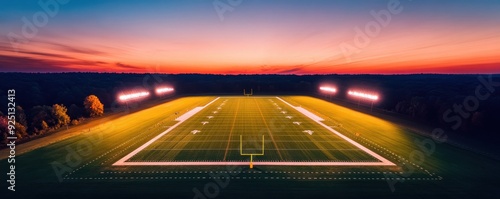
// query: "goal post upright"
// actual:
[[248, 94], [251, 154]]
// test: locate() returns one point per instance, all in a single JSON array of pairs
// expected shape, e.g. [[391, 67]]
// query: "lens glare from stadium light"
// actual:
[[133, 96], [164, 90], [328, 89], [363, 95]]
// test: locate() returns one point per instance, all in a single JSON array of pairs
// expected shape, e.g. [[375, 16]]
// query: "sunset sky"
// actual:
[[252, 37]]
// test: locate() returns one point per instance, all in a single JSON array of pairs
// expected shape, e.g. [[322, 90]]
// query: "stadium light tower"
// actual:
[[366, 96], [163, 90], [133, 96], [328, 90]]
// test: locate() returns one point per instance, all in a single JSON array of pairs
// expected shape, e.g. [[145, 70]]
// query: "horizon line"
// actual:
[[248, 74]]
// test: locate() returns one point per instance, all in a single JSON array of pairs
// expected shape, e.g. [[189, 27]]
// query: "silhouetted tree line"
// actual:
[[43, 119], [422, 97]]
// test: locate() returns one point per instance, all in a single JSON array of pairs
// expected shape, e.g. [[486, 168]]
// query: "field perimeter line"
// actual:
[[222, 163], [383, 161], [318, 120], [181, 119]]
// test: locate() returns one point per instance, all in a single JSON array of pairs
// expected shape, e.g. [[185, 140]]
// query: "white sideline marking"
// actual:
[[181, 119], [190, 113], [254, 163], [305, 112], [318, 120]]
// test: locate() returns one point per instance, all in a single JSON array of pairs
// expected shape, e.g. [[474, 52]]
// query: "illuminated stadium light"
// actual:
[[363, 95], [164, 90], [133, 96], [328, 89]]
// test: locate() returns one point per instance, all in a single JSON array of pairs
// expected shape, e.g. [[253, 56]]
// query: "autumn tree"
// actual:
[[59, 113], [21, 130], [93, 106], [44, 126]]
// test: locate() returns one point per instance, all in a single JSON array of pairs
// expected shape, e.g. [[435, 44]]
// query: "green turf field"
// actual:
[[213, 134], [83, 165]]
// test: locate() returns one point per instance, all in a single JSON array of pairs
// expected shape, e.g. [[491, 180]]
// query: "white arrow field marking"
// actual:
[[308, 131], [204, 122], [297, 123], [195, 131]]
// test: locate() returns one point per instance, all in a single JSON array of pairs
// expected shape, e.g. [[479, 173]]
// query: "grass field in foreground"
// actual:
[[88, 158], [213, 134]]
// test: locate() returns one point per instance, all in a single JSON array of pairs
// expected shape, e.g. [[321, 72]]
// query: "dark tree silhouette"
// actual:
[[21, 116], [74, 112], [3, 129], [42, 119]]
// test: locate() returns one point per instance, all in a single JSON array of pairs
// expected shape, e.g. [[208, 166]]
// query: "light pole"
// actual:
[[328, 91], [361, 95]]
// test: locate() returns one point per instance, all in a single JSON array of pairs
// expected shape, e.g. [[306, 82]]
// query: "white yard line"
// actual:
[[318, 120], [180, 120]]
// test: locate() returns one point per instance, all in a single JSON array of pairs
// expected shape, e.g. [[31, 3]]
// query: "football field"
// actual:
[[192, 144], [219, 132]]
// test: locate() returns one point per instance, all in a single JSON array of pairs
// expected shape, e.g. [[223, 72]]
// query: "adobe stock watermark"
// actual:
[[223, 6], [31, 25], [76, 153], [363, 36], [453, 116], [221, 180]]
